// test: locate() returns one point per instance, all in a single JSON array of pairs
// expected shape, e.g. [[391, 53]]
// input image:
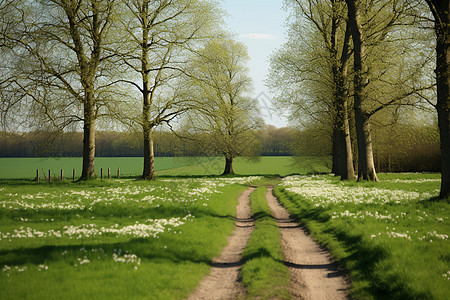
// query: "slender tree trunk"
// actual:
[[336, 150], [441, 13], [347, 163], [443, 102], [228, 166], [342, 148], [337, 154], [442, 25], [366, 167], [149, 155], [88, 138], [348, 171]]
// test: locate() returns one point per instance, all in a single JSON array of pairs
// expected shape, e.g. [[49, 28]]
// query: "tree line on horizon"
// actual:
[[272, 142], [396, 148]]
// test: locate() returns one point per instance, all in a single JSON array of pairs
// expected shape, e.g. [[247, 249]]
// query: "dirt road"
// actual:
[[313, 274], [223, 281]]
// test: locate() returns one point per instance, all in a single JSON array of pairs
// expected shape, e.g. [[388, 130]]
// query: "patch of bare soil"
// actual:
[[313, 273], [223, 281]]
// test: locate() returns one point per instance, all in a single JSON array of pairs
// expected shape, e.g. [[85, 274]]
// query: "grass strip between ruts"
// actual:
[[264, 274]]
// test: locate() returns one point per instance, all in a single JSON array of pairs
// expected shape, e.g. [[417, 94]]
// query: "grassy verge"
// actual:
[[264, 274], [121, 239], [390, 236]]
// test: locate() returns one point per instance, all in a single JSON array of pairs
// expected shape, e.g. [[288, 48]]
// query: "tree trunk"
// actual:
[[443, 107], [228, 166], [88, 137], [342, 147], [443, 85], [366, 167], [348, 171], [336, 151], [149, 156], [337, 154]]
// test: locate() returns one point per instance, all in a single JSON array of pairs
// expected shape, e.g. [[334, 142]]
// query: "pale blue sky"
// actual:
[[260, 25]]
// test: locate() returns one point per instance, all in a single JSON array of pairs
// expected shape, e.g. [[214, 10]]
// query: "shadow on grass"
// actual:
[[435, 200], [358, 256], [140, 247], [109, 211], [178, 249]]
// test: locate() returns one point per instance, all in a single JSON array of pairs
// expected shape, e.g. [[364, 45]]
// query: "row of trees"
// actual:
[[397, 148], [121, 64], [272, 141], [364, 63]]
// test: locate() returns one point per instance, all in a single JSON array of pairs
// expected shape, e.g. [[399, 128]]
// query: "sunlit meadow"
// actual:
[[116, 239], [391, 235]]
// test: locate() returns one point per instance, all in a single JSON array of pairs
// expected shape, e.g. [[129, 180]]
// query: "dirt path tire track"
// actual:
[[223, 281], [313, 273]]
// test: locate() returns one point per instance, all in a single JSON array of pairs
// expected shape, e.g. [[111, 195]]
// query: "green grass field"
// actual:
[[120, 239], [25, 168], [390, 236], [136, 239]]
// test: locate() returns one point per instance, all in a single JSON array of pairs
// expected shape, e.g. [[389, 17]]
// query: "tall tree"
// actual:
[[59, 47], [341, 133], [327, 20], [225, 114], [366, 166], [312, 81], [441, 13], [387, 73], [159, 34]]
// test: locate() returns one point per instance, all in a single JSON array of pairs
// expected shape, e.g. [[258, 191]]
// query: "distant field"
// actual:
[[25, 168]]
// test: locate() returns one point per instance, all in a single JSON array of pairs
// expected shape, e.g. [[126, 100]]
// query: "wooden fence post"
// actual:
[[101, 173], [37, 175], [118, 173], [49, 176], [62, 174], [109, 173], [73, 175]]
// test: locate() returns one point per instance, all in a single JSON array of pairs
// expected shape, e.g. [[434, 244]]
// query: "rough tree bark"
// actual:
[[88, 69], [366, 166], [440, 10], [88, 140], [341, 134], [335, 152], [149, 156], [228, 166]]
